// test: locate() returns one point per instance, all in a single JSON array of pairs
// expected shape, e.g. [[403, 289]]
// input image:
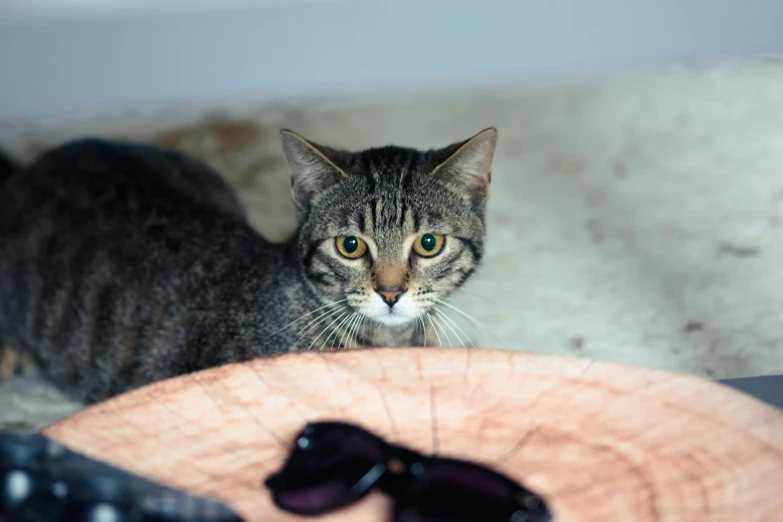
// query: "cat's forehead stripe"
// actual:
[[415, 220], [360, 223]]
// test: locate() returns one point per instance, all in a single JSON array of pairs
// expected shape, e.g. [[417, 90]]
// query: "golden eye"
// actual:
[[429, 245], [350, 246]]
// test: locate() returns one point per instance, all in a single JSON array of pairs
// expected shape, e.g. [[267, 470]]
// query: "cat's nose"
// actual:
[[390, 295]]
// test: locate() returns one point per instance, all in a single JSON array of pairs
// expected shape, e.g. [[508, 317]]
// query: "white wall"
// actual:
[[90, 59]]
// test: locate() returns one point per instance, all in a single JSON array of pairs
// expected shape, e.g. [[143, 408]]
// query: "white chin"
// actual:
[[392, 318]]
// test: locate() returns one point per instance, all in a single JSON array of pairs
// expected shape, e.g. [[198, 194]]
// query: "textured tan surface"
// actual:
[[600, 441]]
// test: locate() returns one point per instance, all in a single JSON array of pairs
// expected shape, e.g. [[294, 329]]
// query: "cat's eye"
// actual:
[[350, 246], [428, 245]]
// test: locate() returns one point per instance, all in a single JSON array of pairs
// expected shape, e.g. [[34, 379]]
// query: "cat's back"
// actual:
[[111, 252], [128, 175], [133, 204]]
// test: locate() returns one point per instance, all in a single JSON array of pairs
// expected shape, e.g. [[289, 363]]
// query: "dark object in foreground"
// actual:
[[42, 481], [334, 464], [767, 388]]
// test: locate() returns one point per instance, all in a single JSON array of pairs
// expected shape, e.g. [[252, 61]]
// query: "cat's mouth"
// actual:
[[391, 317], [403, 312]]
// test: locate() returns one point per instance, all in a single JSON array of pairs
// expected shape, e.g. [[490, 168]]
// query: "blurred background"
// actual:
[[637, 199]]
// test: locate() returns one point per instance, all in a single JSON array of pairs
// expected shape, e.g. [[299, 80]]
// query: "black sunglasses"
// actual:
[[334, 464]]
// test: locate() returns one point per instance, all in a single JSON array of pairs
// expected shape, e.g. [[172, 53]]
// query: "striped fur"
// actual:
[[122, 264]]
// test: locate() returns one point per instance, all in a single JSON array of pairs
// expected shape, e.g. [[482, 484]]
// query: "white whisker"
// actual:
[[477, 296], [358, 331], [462, 313], [424, 330], [451, 327], [324, 314], [440, 343], [443, 330], [314, 323], [356, 328], [336, 330], [450, 320], [475, 322], [354, 317], [335, 303], [325, 329]]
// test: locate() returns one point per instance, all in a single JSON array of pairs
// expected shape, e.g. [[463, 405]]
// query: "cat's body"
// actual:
[[123, 264]]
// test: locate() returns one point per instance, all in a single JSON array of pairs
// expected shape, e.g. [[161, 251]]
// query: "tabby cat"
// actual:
[[123, 263]]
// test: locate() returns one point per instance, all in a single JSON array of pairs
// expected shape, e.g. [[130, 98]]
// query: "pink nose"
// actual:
[[390, 296]]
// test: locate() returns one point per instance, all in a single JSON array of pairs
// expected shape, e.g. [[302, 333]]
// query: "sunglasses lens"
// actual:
[[453, 491], [326, 469]]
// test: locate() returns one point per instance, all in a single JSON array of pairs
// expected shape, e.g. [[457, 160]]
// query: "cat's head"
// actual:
[[390, 229]]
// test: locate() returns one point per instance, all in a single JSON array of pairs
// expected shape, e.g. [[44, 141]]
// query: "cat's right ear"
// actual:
[[468, 164], [313, 167]]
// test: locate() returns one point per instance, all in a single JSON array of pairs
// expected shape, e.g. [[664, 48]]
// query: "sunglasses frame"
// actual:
[[397, 471]]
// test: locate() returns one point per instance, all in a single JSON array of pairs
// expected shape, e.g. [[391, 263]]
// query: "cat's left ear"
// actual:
[[314, 167], [468, 164]]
